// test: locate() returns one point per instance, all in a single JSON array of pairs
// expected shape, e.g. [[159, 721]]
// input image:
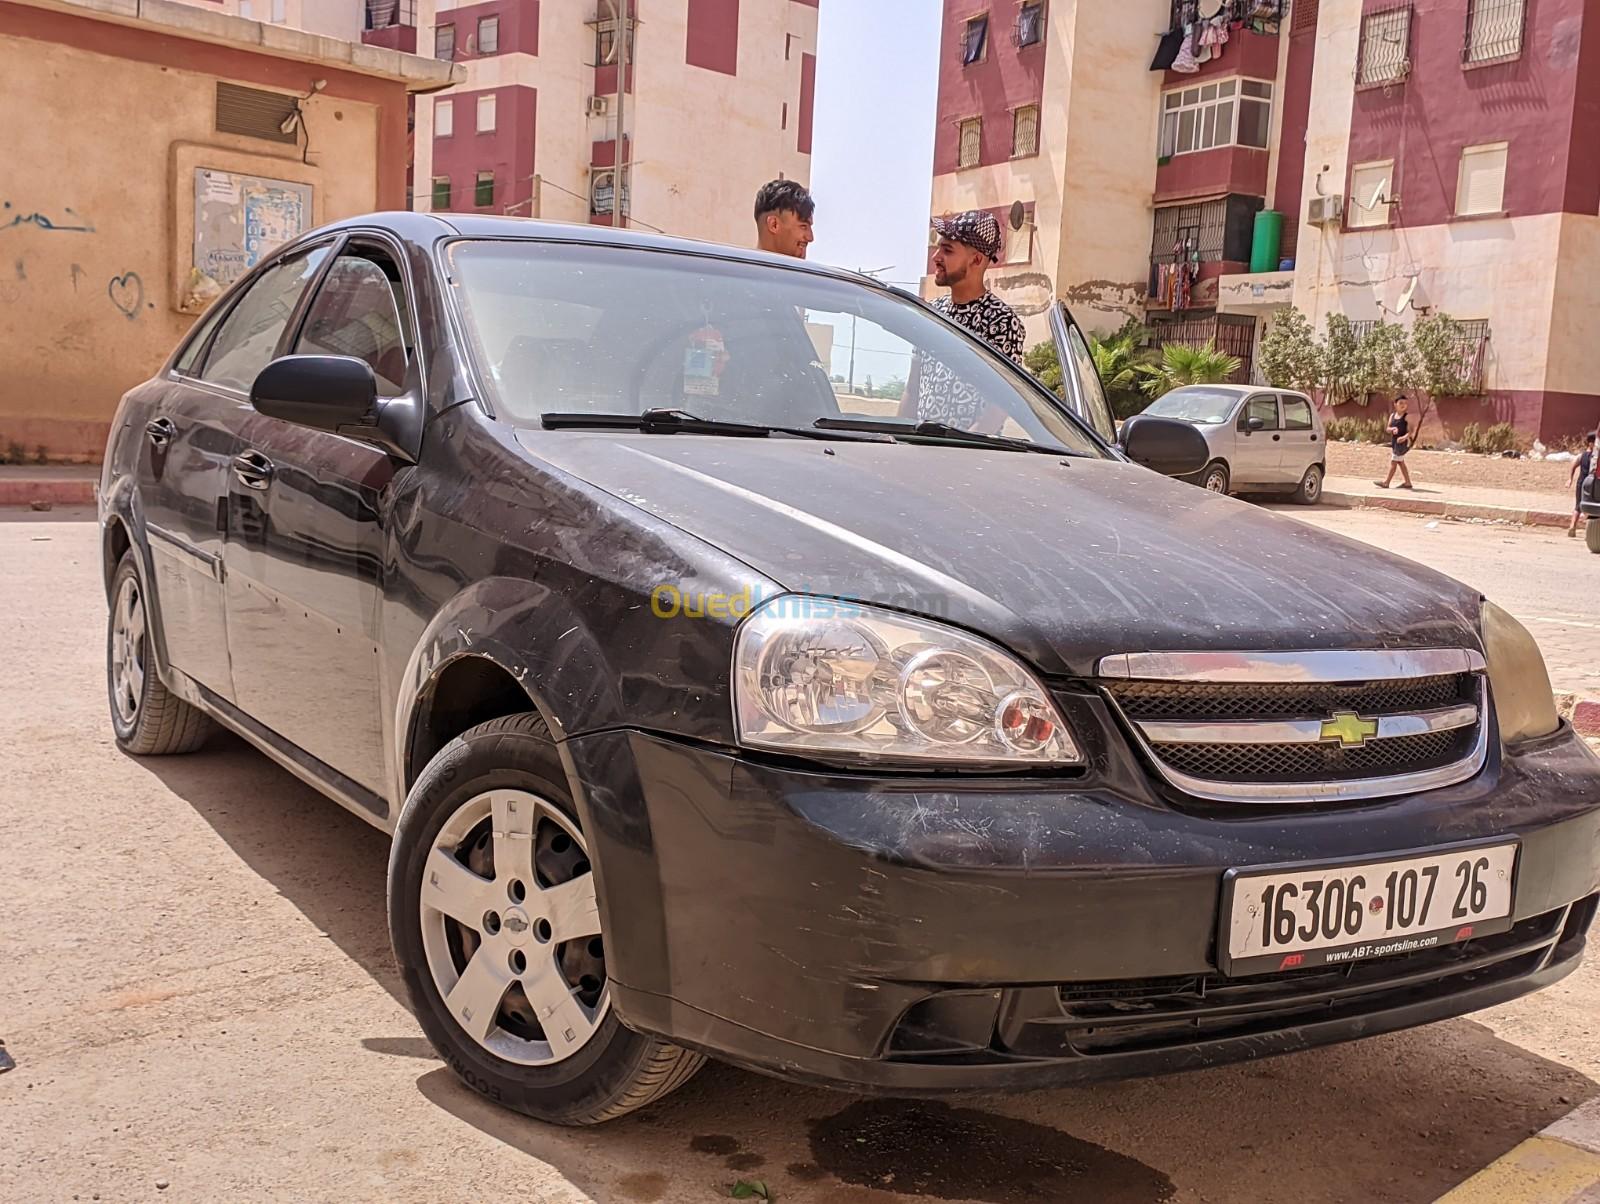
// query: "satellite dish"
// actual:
[[1407, 296], [1378, 195], [1018, 215], [1209, 9]]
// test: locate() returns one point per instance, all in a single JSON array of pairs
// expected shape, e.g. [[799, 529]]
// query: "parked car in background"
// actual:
[[1262, 440], [714, 716]]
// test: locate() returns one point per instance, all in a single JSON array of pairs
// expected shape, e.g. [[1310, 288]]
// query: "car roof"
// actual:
[[1240, 390], [428, 227]]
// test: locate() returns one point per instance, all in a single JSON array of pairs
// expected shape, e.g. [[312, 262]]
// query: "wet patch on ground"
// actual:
[[933, 1150], [734, 1156]]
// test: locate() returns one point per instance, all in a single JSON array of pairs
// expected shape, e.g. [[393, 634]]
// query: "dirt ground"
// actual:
[[1453, 468], [200, 998]]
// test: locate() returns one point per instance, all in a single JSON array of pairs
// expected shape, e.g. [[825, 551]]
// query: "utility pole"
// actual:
[[619, 220], [875, 272]]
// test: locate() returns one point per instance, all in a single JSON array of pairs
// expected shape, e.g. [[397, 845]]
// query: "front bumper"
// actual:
[[933, 934]]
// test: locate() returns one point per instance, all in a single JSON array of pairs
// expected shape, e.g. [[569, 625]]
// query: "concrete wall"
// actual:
[[92, 241]]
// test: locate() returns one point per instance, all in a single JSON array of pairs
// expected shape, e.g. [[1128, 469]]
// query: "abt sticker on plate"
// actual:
[[1291, 918]]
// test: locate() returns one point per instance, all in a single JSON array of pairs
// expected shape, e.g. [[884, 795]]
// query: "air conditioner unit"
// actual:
[[599, 106], [1324, 210]]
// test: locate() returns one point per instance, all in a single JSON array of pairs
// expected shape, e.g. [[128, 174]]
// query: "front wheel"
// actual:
[[1215, 477], [496, 926], [1310, 491], [147, 718], [1591, 534]]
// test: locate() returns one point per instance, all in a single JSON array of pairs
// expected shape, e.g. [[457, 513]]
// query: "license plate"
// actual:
[[1292, 917]]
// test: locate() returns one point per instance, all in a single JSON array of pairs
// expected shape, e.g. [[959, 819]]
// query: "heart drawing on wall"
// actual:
[[127, 294]]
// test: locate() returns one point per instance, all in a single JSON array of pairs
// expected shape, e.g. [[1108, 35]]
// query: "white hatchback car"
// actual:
[[1262, 440]]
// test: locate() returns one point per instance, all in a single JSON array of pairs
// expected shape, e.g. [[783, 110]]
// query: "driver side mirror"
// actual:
[[1165, 445], [1255, 424], [326, 392]]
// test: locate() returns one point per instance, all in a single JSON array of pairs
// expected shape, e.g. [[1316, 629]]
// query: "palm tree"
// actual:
[[1185, 365], [1119, 362]]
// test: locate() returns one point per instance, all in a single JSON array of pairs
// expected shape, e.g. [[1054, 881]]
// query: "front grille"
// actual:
[[1317, 762], [1288, 700]]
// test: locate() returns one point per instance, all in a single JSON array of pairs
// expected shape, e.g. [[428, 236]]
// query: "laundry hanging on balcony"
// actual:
[[1201, 28]]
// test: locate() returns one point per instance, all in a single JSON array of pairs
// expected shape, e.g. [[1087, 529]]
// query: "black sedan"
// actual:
[[718, 709]]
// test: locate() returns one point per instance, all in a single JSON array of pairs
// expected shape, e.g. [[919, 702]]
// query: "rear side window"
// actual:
[[1264, 408], [357, 313], [1296, 414], [189, 361], [252, 330]]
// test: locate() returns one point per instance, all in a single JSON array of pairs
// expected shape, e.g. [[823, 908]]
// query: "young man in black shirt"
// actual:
[[1401, 437]]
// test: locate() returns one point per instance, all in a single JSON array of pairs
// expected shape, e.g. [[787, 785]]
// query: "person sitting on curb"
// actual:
[[1401, 438], [1581, 468]]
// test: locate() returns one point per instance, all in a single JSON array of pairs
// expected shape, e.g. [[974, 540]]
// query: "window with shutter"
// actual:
[[1494, 30], [1371, 186], [1025, 131], [971, 142], [444, 117], [1385, 47], [486, 114], [488, 35], [483, 192], [1481, 188], [441, 194]]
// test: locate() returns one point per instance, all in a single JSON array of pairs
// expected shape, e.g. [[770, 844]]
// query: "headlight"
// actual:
[[1517, 678], [811, 674]]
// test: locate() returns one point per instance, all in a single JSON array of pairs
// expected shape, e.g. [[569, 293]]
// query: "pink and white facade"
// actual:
[[1432, 156], [720, 99]]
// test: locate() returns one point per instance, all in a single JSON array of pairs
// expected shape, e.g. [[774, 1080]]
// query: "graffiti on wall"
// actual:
[[127, 294], [75, 224]]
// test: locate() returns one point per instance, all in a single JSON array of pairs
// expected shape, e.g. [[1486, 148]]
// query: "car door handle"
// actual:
[[253, 470], [160, 432]]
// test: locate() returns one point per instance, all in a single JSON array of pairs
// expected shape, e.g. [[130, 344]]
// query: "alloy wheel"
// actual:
[[511, 928], [127, 650]]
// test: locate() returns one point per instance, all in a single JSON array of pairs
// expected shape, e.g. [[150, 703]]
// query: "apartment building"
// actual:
[[719, 100], [340, 19], [1422, 157]]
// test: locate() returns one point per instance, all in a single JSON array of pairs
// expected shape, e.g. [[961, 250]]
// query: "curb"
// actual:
[[1582, 713], [26, 491], [1558, 1164], [1417, 505]]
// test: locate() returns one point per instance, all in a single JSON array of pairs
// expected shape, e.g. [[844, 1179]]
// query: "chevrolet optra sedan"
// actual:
[[718, 711]]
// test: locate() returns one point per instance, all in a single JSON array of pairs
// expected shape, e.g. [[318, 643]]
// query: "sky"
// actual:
[[872, 145]]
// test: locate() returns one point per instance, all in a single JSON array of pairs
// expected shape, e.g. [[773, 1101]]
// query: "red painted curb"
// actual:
[[1586, 718], [25, 492]]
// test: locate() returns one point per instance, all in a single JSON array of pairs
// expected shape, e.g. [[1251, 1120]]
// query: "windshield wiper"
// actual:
[[939, 430], [661, 421]]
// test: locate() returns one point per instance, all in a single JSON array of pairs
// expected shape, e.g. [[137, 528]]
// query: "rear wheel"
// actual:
[[1215, 477], [1591, 534], [1310, 491], [496, 925], [147, 718]]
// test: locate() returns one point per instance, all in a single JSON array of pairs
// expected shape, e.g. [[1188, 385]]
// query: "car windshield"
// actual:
[[1195, 403], [573, 329]]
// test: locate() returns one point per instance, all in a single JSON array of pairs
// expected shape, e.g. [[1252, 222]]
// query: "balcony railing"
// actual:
[[384, 14]]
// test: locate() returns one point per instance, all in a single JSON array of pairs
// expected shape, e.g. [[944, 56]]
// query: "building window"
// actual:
[[1231, 112], [486, 114], [444, 42], [975, 41], [605, 44], [1371, 187], [1030, 24], [280, 11], [1385, 47], [1481, 184], [1494, 30], [247, 9], [971, 142], [441, 194], [601, 193], [483, 192], [488, 35], [444, 117], [1025, 131]]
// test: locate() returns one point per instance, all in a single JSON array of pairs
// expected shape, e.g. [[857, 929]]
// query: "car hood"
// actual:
[[1062, 560]]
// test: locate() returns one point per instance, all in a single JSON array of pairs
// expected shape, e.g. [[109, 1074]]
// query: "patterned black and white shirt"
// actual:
[[941, 395]]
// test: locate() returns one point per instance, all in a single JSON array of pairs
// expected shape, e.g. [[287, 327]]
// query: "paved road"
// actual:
[[199, 994]]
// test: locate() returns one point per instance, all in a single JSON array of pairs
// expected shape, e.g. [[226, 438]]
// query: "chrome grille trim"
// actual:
[[1314, 665], [1299, 731]]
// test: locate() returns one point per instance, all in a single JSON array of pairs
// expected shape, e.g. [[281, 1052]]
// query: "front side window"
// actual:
[[591, 329], [1025, 131], [1296, 414], [248, 337], [971, 145], [444, 42], [488, 35], [1230, 112], [1264, 408], [356, 313], [975, 41]]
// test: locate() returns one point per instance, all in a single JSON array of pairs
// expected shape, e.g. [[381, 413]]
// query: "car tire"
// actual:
[[1214, 478], [1310, 491], [1591, 534], [147, 718], [492, 828]]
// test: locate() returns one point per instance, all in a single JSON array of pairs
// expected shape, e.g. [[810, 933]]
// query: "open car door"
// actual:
[[1084, 394]]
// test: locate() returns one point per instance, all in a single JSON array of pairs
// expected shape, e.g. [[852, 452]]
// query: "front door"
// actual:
[[306, 539], [1084, 392], [1257, 459]]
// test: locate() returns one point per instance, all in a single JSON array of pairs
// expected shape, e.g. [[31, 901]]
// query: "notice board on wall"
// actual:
[[239, 220]]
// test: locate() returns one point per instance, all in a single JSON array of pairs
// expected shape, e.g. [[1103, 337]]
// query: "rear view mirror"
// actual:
[[326, 392], [1165, 445], [1255, 424]]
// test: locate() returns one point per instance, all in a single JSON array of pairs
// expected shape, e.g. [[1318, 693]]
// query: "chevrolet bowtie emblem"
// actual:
[[1349, 729]]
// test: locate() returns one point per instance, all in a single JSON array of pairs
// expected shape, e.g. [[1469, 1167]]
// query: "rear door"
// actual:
[[1257, 456], [1084, 392], [306, 535], [1301, 445]]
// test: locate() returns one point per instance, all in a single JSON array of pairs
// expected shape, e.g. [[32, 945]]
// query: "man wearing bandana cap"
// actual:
[[968, 244]]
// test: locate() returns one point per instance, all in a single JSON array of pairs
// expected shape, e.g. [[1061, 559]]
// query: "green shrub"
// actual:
[[1500, 437], [1357, 430]]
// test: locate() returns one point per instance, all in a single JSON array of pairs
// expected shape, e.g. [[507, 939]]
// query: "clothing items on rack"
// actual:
[[1201, 28]]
